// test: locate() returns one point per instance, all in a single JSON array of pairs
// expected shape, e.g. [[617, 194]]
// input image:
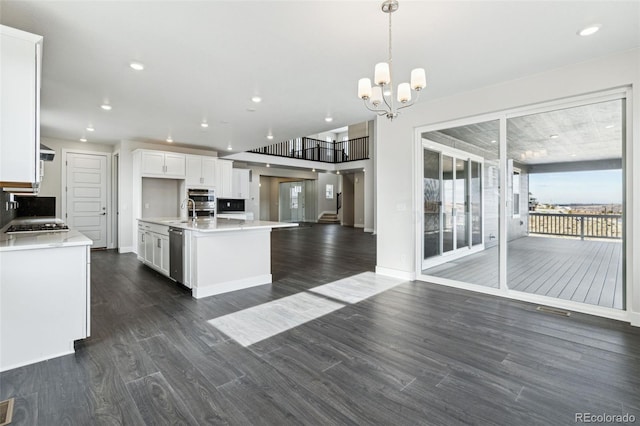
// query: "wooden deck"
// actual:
[[587, 271]]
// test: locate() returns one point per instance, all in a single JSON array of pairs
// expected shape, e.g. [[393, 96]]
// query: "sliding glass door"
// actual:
[[452, 197]]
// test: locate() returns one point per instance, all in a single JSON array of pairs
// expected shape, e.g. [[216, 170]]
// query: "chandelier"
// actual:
[[379, 98]]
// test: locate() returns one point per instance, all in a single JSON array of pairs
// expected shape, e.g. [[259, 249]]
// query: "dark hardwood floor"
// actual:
[[415, 354]]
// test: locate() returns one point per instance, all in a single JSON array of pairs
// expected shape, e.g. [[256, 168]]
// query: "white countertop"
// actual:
[[28, 241], [216, 225]]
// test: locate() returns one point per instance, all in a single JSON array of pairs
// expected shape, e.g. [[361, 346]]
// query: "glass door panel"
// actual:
[[431, 193], [462, 166], [565, 204], [476, 203], [460, 205], [448, 204]]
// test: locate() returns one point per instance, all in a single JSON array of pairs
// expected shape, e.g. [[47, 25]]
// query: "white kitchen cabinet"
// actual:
[[162, 164], [153, 246], [240, 186], [20, 62], [224, 179], [45, 308], [201, 171]]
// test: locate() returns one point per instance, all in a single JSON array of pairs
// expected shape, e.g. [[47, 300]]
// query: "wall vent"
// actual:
[[6, 412]]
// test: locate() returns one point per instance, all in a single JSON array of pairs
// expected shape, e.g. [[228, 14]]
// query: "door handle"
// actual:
[[102, 214], [159, 243]]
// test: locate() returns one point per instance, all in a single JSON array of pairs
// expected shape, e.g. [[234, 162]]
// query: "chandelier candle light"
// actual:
[[381, 95]]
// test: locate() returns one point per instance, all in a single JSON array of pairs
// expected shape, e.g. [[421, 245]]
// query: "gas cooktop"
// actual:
[[37, 227]]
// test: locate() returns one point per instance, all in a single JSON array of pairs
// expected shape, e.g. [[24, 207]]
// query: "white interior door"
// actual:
[[87, 196]]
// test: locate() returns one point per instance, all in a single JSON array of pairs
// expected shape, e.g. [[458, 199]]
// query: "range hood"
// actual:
[[46, 153]]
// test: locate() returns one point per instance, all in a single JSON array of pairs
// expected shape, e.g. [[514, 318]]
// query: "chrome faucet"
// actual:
[[185, 202]]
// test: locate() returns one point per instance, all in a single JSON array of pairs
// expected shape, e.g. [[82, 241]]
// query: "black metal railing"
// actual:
[[319, 150], [576, 225]]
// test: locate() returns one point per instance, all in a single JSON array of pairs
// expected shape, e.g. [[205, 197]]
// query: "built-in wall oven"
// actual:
[[205, 202]]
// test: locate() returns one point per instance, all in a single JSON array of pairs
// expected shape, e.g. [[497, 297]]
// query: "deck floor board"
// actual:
[[588, 271]]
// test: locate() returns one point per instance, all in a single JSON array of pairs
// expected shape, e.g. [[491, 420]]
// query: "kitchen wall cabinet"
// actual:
[[224, 179], [162, 164], [201, 171], [20, 65], [240, 185], [153, 246]]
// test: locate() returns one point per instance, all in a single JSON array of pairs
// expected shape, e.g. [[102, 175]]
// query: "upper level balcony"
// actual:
[[305, 148]]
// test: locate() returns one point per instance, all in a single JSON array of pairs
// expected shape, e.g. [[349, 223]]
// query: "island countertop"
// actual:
[[216, 225]]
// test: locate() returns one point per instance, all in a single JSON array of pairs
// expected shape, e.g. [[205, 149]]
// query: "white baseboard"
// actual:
[[395, 273], [359, 225], [370, 230], [39, 359], [225, 287], [634, 319], [126, 250]]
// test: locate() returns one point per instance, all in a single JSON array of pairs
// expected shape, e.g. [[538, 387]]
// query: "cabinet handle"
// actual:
[[142, 237], [159, 243], [201, 180]]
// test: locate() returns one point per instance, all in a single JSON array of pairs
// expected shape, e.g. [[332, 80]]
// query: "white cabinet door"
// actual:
[[224, 179], [174, 164], [157, 251], [141, 244], [194, 171], [241, 183], [164, 264], [208, 171], [148, 247], [20, 106], [152, 163]]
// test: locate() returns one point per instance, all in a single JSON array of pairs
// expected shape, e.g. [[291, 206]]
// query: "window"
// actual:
[[329, 191], [515, 184]]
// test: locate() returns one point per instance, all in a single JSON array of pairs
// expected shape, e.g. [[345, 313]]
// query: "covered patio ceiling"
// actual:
[[586, 134]]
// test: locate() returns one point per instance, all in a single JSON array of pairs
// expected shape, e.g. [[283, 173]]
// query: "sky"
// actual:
[[590, 187]]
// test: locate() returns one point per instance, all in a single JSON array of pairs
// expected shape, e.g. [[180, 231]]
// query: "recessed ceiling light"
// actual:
[[493, 141], [590, 30], [328, 119], [268, 165], [204, 124], [270, 137], [553, 136], [90, 128], [573, 155], [170, 139], [138, 66], [229, 148], [83, 139], [106, 107], [364, 170], [610, 126], [313, 170], [251, 109], [338, 172], [256, 99]]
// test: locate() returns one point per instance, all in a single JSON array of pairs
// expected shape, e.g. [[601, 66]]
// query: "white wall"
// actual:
[[398, 213]]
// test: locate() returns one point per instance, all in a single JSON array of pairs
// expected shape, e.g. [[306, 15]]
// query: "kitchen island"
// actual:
[[44, 295], [218, 256]]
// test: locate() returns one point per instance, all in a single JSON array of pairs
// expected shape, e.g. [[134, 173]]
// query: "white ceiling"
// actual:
[[206, 59]]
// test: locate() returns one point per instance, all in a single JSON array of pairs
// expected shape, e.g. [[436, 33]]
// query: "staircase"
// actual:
[[329, 218]]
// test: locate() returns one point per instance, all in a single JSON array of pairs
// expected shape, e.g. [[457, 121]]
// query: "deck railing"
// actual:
[[319, 150], [576, 225]]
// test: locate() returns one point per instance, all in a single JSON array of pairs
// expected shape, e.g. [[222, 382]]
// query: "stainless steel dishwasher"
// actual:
[[176, 254]]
